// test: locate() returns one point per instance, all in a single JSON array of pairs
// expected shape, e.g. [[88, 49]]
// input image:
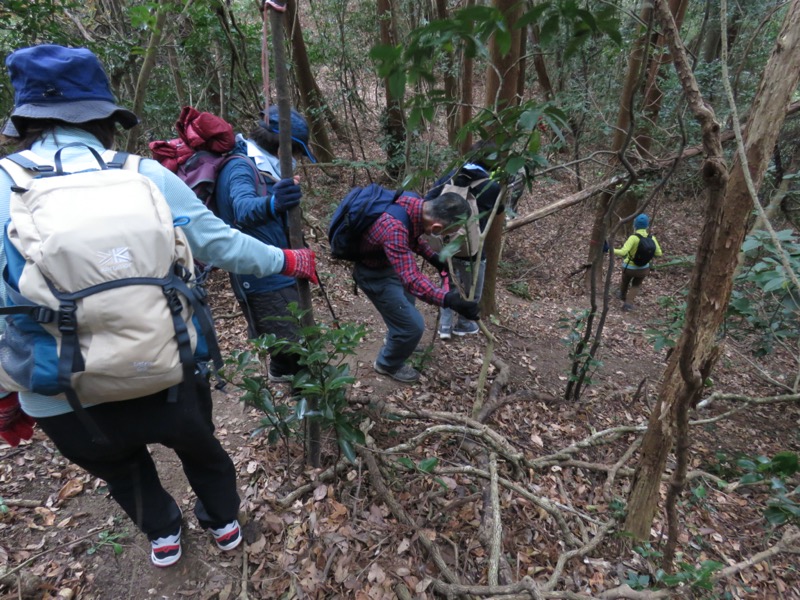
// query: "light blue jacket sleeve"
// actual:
[[212, 241]]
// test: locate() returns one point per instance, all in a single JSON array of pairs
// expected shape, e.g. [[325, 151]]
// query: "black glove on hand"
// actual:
[[441, 265], [286, 194], [466, 308]]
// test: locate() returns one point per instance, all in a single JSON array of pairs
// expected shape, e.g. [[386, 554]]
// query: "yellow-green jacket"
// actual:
[[630, 248]]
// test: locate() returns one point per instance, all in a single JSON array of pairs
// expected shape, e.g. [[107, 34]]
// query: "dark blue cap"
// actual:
[[54, 82], [641, 222], [299, 125]]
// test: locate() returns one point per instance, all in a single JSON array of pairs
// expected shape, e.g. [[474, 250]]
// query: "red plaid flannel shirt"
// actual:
[[387, 243]]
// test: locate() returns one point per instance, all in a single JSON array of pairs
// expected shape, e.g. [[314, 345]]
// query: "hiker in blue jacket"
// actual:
[[636, 264], [63, 97], [257, 204]]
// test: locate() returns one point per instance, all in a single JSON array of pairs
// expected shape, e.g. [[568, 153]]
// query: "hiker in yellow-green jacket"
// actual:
[[638, 251]]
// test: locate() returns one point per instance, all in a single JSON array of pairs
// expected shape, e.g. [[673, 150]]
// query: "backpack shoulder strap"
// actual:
[[399, 213], [30, 161], [262, 178], [24, 166], [121, 160]]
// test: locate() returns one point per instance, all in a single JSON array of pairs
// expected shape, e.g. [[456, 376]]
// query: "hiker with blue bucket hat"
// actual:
[[64, 123]]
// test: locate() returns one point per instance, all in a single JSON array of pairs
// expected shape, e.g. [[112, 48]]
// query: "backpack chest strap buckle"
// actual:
[[67, 322], [43, 314]]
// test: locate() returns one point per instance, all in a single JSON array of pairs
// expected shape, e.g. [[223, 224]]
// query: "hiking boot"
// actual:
[[228, 537], [165, 551], [463, 328], [278, 378], [445, 332], [627, 307], [404, 374]]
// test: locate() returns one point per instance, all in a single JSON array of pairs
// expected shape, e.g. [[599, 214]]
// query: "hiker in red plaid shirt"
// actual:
[[388, 274]]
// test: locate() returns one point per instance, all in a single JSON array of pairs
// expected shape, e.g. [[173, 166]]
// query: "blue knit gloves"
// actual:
[[286, 194]]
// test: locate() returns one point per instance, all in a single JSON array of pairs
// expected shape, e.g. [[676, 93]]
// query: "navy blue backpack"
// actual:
[[356, 212]]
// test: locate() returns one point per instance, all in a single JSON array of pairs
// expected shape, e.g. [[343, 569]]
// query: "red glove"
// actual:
[[15, 425], [300, 263]]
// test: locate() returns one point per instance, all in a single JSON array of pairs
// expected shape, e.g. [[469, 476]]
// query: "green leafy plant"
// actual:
[[664, 332], [782, 507], [521, 289], [764, 301], [321, 382], [584, 363], [109, 539], [695, 577], [618, 509]]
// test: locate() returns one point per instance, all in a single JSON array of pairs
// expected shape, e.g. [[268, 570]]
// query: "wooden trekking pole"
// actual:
[[277, 10]]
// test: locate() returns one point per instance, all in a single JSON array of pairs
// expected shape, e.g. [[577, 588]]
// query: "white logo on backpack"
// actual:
[[116, 258]]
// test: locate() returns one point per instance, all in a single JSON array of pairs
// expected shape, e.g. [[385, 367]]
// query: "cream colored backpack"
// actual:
[[101, 293], [470, 232]]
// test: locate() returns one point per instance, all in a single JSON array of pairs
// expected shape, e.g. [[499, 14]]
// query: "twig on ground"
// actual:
[[401, 515], [612, 472], [497, 524], [21, 503], [35, 557]]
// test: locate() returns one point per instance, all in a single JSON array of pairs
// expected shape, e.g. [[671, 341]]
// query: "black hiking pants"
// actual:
[[125, 463], [261, 311], [631, 283]]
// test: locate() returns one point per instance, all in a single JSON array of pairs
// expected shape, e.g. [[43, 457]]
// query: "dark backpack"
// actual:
[[645, 251], [356, 212], [201, 170]]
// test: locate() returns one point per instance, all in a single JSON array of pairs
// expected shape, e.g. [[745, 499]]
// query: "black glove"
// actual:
[[441, 265], [466, 308], [286, 195]]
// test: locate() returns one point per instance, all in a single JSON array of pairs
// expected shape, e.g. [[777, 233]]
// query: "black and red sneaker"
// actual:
[[228, 537], [165, 551]]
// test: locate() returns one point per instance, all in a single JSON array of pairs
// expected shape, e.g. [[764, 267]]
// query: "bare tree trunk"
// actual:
[[175, 69], [501, 90], [309, 91], [450, 83], [652, 91], [540, 66], [621, 132], [780, 194], [145, 72], [395, 120], [729, 206], [467, 76], [522, 63]]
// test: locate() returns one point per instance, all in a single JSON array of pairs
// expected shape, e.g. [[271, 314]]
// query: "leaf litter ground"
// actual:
[[336, 538]]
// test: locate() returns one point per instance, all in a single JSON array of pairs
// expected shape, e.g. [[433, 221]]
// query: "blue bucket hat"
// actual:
[[54, 82], [299, 128], [641, 222]]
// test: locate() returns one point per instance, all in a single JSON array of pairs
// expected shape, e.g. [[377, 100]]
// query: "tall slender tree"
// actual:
[[394, 124], [501, 91], [727, 213]]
